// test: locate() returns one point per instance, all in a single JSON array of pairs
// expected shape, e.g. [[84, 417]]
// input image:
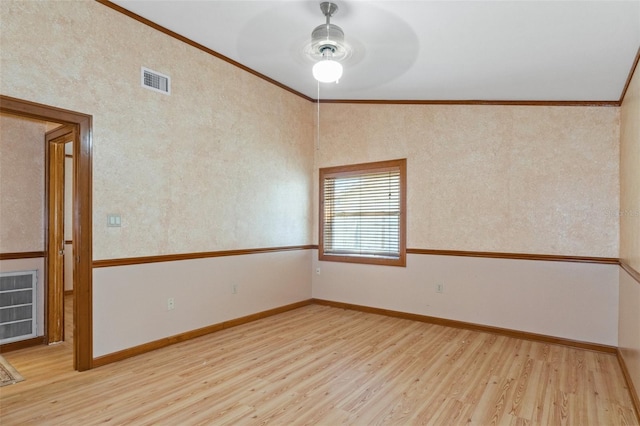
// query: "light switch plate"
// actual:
[[114, 220]]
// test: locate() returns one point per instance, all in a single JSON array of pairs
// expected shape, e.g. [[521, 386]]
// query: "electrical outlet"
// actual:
[[439, 288], [234, 288], [171, 304]]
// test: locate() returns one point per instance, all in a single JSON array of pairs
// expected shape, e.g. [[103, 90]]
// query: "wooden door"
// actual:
[[54, 308]]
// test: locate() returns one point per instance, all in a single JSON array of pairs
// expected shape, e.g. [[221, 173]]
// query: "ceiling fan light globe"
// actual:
[[327, 71]]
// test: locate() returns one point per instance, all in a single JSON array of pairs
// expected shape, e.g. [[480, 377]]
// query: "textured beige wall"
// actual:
[[228, 154], [630, 175], [629, 318], [224, 162], [21, 184], [492, 178]]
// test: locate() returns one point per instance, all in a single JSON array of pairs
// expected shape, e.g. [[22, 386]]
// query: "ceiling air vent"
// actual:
[[155, 81]]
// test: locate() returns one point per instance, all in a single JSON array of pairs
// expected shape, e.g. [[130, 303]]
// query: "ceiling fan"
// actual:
[[328, 47]]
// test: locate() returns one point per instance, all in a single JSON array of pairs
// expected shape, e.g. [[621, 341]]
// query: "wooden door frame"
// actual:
[[54, 189], [82, 217]]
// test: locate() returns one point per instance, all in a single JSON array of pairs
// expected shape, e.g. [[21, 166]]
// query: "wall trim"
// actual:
[[188, 256], [433, 252], [469, 102], [634, 274], [471, 326], [167, 341], [627, 378], [629, 77], [27, 343], [22, 255], [519, 256]]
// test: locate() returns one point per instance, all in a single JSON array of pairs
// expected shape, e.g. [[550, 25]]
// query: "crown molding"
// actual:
[[632, 71], [632, 272], [470, 102]]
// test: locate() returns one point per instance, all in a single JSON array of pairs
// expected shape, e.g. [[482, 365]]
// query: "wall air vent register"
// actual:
[[155, 81], [17, 306]]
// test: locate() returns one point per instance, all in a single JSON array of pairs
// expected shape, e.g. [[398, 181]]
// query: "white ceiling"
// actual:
[[425, 50]]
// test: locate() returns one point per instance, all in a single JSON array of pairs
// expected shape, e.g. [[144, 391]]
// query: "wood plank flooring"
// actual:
[[327, 366]]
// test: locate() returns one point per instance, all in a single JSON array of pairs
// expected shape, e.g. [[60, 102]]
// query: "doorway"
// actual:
[[81, 125], [56, 200]]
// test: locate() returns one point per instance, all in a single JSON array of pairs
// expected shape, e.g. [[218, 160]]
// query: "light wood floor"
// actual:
[[328, 366]]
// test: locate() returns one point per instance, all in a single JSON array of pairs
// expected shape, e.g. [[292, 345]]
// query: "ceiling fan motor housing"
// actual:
[[327, 36]]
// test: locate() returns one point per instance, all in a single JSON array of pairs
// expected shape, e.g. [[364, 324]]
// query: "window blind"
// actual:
[[362, 214]]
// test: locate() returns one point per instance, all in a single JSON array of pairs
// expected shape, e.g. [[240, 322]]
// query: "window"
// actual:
[[363, 213]]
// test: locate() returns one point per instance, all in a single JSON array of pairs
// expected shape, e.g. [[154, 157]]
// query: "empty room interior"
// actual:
[[446, 233]]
